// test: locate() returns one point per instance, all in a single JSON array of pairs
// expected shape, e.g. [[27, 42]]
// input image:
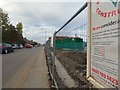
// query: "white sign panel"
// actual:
[[104, 42]]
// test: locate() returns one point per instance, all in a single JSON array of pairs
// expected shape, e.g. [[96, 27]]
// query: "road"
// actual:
[[17, 66]]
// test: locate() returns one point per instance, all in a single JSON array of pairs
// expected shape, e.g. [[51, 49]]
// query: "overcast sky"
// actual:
[[40, 19]]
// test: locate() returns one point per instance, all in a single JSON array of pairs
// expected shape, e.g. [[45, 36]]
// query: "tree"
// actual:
[[8, 30], [19, 27], [5, 24], [13, 34], [4, 20], [10, 33]]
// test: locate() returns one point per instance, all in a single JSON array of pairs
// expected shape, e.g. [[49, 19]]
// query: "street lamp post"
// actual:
[[45, 33]]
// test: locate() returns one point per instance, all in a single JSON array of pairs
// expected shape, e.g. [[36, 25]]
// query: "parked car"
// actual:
[[28, 46], [20, 46], [6, 48], [15, 46]]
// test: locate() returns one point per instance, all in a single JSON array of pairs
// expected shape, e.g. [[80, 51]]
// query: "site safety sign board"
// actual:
[[105, 42]]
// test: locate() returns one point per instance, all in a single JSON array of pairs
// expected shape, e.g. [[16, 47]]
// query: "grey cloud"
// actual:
[[35, 15]]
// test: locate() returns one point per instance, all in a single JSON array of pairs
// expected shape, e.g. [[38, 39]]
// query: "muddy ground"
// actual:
[[49, 62], [75, 65]]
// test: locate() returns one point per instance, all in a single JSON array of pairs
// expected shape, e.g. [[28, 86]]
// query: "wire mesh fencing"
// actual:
[[74, 35], [69, 46]]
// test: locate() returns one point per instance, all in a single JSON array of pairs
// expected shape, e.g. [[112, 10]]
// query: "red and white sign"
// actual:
[[105, 42]]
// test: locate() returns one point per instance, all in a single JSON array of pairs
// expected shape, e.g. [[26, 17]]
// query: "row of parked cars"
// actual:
[[8, 48], [17, 46]]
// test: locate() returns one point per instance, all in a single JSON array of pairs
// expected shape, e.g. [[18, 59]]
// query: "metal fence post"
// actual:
[[89, 41], [54, 54]]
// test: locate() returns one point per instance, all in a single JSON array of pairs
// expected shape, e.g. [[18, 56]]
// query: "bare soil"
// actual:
[[75, 65]]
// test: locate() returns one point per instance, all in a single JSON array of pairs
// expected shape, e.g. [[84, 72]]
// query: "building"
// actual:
[[69, 43]]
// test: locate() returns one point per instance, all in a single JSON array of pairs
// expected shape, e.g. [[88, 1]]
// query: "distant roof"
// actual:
[[67, 37]]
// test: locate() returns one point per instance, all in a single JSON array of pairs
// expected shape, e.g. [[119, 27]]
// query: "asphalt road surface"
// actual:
[[15, 65]]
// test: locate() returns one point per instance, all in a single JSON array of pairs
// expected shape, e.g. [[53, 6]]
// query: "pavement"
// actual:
[[38, 76], [25, 68]]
